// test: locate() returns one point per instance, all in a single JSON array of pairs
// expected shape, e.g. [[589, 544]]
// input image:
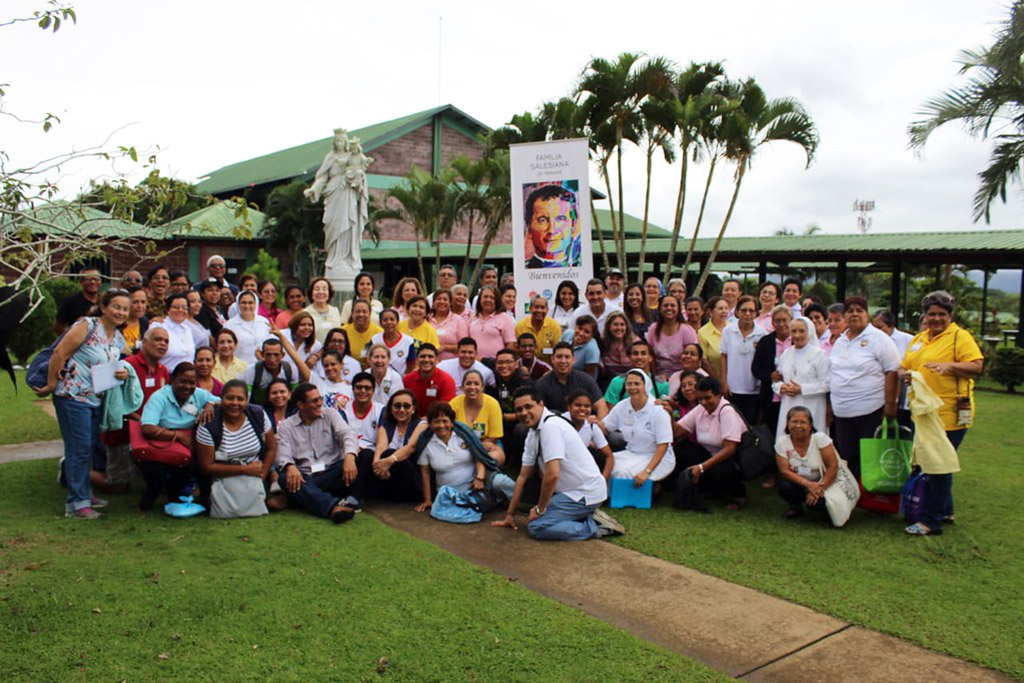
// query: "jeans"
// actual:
[[938, 491], [80, 427], [564, 520], [321, 491]]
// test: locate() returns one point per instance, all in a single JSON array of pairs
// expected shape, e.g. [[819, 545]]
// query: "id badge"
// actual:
[[317, 467], [150, 382], [963, 411], [503, 392], [431, 392], [190, 409], [547, 351], [803, 470]]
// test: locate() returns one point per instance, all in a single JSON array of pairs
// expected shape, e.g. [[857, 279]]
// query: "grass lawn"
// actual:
[[23, 421], [959, 593], [285, 597]]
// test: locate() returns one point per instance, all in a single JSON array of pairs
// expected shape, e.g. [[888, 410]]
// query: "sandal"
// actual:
[[919, 529], [948, 519]]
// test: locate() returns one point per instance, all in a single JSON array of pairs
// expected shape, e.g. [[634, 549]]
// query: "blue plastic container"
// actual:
[[625, 495]]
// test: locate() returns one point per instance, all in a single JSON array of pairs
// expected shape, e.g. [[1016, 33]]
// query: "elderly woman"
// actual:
[[739, 340], [170, 415], [766, 363], [237, 442], [808, 465], [710, 335], [803, 375], [719, 427], [364, 290], [647, 430], [415, 324], [325, 315], [393, 473], [677, 288], [481, 412], [460, 302], [948, 359], [89, 343], [452, 458], [250, 329], [863, 364], [181, 346]]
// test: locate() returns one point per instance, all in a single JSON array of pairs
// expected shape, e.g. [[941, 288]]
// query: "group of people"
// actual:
[[327, 409]]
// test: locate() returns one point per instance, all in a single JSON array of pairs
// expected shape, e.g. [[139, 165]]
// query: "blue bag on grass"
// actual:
[[450, 505], [186, 508]]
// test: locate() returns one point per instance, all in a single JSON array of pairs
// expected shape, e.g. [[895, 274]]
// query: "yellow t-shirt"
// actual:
[[357, 342], [488, 424], [131, 338], [230, 372], [710, 338], [424, 334], [923, 350], [550, 334]]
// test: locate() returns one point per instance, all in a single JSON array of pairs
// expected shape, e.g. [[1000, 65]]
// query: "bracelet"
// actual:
[[648, 471], [536, 508], [700, 466]]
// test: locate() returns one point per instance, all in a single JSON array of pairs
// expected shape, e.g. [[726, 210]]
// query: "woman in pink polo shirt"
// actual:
[[719, 428], [492, 329]]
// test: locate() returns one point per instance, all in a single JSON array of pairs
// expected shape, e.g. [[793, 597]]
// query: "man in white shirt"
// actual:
[[597, 305], [466, 361], [886, 322], [572, 487], [613, 282]]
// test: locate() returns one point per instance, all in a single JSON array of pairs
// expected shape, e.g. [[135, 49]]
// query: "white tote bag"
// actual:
[[841, 497]]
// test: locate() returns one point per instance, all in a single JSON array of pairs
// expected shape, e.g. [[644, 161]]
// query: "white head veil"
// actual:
[[648, 385]]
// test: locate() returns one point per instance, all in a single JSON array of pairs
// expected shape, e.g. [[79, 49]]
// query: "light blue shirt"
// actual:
[[163, 410], [587, 354]]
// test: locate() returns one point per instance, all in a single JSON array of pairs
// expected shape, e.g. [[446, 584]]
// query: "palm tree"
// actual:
[[755, 122], [993, 93], [695, 114], [497, 205], [615, 92], [470, 198], [425, 203], [658, 128]]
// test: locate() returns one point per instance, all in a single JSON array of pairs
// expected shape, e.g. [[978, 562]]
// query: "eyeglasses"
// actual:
[[401, 406], [362, 387], [315, 401]]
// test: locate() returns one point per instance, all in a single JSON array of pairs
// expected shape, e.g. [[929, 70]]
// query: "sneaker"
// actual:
[[607, 525], [352, 502], [341, 514], [99, 503], [82, 513]]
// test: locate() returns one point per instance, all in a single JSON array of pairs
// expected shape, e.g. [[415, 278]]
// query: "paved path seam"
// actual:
[[793, 652]]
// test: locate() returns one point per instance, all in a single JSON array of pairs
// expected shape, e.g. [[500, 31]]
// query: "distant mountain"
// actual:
[[1006, 280]]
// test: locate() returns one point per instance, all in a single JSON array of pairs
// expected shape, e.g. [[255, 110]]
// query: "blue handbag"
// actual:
[[451, 505]]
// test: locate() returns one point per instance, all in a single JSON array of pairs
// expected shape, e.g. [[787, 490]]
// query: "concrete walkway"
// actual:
[[736, 630], [733, 629]]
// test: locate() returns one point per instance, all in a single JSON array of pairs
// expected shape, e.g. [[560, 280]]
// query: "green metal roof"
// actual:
[[633, 225], [219, 220], [63, 217], [304, 159]]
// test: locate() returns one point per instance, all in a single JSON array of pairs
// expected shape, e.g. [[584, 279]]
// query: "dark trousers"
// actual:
[[748, 404], [771, 415], [170, 480], [321, 491], [513, 442], [722, 480], [794, 494], [403, 486], [849, 432], [938, 491]]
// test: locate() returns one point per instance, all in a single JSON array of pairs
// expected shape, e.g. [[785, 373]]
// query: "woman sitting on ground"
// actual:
[[586, 347], [580, 413], [170, 415], [453, 453], [808, 465], [237, 442], [204, 372], [279, 402], [719, 427], [394, 473], [647, 429], [481, 413]]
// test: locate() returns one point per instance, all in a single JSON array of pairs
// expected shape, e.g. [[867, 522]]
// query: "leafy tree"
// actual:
[[470, 198], [156, 200], [268, 268], [295, 224], [991, 96], [498, 203], [758, 121], [36, 331], [658, 127]]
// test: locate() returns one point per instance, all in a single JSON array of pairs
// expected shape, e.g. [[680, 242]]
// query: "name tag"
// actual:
[[803, 470], [547, 350], [317, 467], [150, 382], [431, 392], [190, 409], [916, 346]]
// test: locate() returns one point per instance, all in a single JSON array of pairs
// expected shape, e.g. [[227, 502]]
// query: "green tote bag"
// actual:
[[885, 459]]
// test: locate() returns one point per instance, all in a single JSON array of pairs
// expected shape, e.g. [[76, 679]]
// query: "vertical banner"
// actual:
[[551, 238]]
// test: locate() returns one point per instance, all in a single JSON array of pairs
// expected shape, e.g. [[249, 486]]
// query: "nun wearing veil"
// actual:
[[805, 375], [647, 430]]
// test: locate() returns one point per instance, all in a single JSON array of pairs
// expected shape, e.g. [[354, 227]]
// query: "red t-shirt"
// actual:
[[440, 387]]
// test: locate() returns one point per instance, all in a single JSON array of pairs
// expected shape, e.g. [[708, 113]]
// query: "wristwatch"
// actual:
[[536, 508]]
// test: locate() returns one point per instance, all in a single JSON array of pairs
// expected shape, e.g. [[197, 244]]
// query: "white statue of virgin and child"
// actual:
[[341, 181]]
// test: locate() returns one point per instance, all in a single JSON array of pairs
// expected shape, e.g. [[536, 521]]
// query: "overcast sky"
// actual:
[[216, 82]]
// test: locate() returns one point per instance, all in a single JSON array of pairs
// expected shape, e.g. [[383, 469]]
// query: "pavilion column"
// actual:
[[1020, 313], [984, 299], [762, 271], [894, 301], [841, 281]]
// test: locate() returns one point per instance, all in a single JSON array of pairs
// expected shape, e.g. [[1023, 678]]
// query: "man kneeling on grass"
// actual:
[[316, 458], [572, 488]]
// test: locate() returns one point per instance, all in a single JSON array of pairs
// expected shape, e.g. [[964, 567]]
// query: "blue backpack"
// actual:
[[39, 369]]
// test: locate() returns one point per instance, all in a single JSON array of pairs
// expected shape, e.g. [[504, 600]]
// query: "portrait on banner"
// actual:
[[554, 238]]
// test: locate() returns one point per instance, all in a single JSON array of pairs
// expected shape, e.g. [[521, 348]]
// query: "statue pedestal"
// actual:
[[344, 287]]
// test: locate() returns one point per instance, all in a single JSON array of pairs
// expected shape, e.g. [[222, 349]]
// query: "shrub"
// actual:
[[1008, 367], [268, 268], [36, 332]]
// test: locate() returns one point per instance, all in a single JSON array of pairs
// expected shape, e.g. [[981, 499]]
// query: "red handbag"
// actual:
[[143, 450]]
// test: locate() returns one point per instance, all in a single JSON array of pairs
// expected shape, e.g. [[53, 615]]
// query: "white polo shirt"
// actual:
[[740, 352], [858, 368], [644, 429], [365, 426], [591, 434], [556, 439], [452, 367], [391, 383], [584, 309], [452, 462]]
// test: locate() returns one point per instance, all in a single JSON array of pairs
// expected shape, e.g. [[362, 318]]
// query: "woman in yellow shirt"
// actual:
[[416, 325], [949, 359], [481, 413], [710, 334]]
